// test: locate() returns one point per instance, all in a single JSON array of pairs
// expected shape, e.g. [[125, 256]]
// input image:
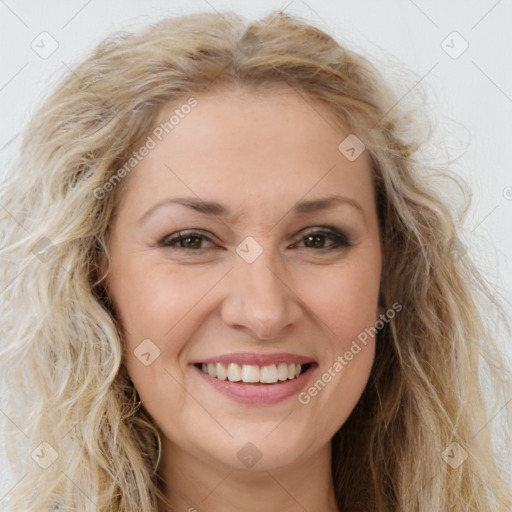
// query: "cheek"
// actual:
[[346, 307], [346, 299], [346, 302], [160, 308], [154, 305], [152, 299]]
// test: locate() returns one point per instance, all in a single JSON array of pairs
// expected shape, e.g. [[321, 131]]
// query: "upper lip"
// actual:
[[251, 358]]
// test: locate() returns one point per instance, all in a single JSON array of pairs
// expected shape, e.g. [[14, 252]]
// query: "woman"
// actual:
[[230, 285]]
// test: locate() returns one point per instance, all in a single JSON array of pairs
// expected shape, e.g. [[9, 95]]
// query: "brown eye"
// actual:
[[316, 239], [184, 240]]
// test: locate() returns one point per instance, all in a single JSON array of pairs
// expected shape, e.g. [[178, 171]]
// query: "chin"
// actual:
[[256, 450]]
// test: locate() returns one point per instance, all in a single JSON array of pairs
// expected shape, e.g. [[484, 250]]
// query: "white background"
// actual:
[[470, 96]]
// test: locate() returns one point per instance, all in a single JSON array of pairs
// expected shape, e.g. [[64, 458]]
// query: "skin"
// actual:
[[259, 155]]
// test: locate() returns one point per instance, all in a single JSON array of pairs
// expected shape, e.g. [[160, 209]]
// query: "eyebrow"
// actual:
[[217, 209]]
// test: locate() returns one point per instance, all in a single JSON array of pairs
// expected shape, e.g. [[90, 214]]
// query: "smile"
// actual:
[[256, 379], [268, 374]]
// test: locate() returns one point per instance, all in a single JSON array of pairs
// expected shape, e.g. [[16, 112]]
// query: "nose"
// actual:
[[260, 299]]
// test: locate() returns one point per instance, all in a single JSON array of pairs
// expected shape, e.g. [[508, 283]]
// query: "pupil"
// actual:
[[191, 238], [313, 237]]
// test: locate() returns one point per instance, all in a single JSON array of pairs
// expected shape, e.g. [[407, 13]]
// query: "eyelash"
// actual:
[[341, 241]]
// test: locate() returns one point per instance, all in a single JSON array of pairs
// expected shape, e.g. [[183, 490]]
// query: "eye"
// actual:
[[188, 240], [315, 237]]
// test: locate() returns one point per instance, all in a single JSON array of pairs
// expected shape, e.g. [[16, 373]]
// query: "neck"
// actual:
[[196, 485]]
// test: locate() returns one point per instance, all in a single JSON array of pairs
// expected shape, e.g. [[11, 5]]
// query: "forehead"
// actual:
[[250, 150]]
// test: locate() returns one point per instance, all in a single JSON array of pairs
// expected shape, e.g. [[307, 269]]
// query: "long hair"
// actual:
[[81, 439]]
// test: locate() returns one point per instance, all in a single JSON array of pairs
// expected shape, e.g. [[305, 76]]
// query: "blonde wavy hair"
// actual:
[[61, 351]]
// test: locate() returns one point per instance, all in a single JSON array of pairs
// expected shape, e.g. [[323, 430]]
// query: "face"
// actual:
[[267, 278]]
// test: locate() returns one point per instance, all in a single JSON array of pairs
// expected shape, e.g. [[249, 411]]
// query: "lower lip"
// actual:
[[259, 394]]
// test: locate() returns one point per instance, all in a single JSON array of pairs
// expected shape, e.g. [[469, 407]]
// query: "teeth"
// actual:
[[250, 373], [282, 371], [269, 374], [222, 373], [234, 372]]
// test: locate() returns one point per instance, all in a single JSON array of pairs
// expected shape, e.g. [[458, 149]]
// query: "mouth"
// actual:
[[256, 379], [254, 374]]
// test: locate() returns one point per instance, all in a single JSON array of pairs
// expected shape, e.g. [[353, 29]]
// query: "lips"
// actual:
[[256, 378]]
